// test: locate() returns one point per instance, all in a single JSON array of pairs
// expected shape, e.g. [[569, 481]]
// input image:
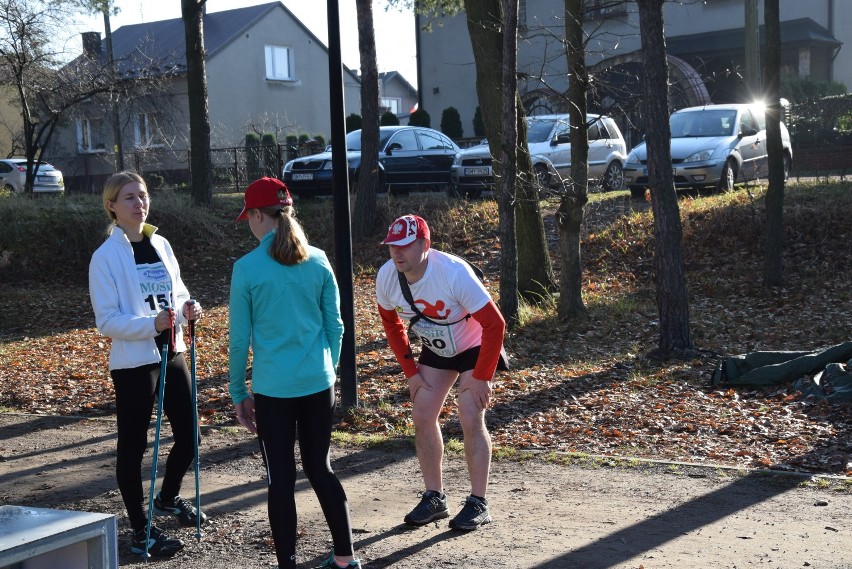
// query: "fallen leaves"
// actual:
[[575, 387]]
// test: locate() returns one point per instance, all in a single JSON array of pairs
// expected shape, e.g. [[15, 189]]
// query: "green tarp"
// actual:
[[829, 371]]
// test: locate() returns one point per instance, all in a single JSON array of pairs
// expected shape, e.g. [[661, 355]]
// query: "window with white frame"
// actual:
[[146, 131], [393, 104], [279, 65], [90, 135]]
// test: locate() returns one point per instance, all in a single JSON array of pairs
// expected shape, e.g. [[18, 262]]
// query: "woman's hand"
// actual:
[[165, 319], [192, 310], [245, 414]]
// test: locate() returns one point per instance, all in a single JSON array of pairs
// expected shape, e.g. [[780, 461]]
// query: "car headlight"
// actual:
[[457, 160], [288, 166], [631, 158], [699, 156], [327, 165]]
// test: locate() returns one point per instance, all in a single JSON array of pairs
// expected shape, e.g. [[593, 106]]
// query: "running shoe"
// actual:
[[473, 514], [329, 563], [182, 509], [432, 506], [160, 543]]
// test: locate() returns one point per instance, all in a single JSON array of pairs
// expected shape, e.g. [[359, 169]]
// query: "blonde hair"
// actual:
[[290, 245], [113, 186]]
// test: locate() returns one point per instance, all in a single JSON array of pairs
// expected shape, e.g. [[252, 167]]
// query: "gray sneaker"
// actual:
[[432, 506], [473, 514]]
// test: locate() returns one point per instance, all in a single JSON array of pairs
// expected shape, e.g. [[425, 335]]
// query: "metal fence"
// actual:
[[233, 168]]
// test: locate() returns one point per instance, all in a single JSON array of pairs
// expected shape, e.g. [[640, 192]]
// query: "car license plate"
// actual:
[[303, 176], [477, 171], [645, 171]]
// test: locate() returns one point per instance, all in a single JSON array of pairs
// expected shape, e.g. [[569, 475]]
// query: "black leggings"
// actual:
[[276, 429], [135, 394]]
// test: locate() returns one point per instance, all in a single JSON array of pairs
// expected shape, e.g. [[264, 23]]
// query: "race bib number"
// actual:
[[155, 286], [438, 339]]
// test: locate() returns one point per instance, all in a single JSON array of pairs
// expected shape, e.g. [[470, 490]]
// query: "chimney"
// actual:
[[91, 44]]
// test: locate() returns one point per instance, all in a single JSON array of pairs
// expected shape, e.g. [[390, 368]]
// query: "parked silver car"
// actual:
[[548, 140], [712, 146], [13, 175]]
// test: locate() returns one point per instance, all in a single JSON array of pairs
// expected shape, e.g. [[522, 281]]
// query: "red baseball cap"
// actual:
[[265, 192], [405, 230]]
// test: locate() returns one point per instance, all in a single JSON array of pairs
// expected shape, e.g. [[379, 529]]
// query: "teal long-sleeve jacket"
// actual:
[[290, 318]]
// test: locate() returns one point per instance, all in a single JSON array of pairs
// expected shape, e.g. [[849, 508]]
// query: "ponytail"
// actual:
[[290, 245]]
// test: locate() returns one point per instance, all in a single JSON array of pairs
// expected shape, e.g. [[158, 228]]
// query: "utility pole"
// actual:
[[752, 50], [342, 223]]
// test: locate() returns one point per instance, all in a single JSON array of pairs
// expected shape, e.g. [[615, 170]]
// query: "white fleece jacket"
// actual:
[[119, 311]]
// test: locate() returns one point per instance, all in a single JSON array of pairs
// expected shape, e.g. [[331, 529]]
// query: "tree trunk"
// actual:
[[672, 300], [570, 213], [773, 274], [201, 161], [369, 176], [508, 157], [485, 22]]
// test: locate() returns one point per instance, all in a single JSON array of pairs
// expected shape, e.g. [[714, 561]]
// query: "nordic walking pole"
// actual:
[[196, 426], [164, 360]]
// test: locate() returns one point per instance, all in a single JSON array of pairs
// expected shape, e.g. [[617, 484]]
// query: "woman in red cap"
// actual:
[[285, 306]]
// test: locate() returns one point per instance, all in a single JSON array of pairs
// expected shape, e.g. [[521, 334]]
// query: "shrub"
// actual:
[[804, 89], [388, 119], [420, 118], [353, 122], [451, 123], [154, 181], [253, 155], [320, 139], [478, 123], [269, 143]]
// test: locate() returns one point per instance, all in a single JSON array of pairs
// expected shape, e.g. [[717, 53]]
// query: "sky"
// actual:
[[395, 47]]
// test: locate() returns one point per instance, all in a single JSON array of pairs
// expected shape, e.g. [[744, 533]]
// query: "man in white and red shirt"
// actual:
[[461, 331]]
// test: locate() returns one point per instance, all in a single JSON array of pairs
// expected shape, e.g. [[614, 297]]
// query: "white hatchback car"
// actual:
[[549, 143], [13, 174]]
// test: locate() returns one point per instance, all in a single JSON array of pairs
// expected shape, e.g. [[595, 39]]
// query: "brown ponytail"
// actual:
[[290, 245]]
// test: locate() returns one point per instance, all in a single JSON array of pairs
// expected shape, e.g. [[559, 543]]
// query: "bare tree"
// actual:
[[369, 175], [45, 89], [200, 160], [672, 300], [485, 22], [508, 157], [570, 213], [774, 245]]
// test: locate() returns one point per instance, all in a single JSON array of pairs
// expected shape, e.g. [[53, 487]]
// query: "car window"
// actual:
[[405, 139], [353, 141], [539, 130], [595, 131], [5, 168], [607, 130], [432, 141], [747, 121], [760, 117]]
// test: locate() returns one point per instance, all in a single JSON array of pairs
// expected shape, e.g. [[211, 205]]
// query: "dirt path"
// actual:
[[546, 515]]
